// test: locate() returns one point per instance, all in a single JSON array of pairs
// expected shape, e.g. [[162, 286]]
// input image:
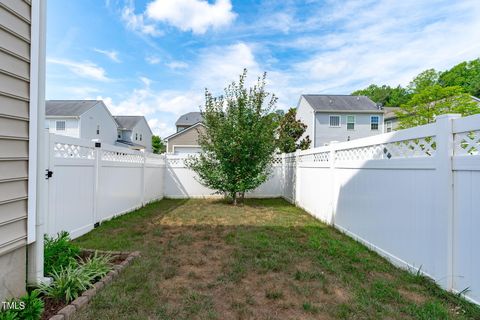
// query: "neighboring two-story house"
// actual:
[[91, 120], [86, 119], [185, 140], [390, 118], [134, 133], [338, 117]]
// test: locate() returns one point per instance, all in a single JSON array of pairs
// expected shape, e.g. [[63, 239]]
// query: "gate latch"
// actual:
[[48, 174]]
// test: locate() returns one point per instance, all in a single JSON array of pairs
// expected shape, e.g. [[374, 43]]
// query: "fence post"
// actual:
[[333, 200], [444, 196], [96, 173], [284, 178], [142, 196], [297, 178]]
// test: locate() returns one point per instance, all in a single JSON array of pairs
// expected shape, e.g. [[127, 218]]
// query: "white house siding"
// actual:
[[142, 130], [15, 19], [72, 127], [305, 114], [326, 134], [98, 115]]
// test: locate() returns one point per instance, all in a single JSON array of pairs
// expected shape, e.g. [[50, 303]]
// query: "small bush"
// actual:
[[59, 252], [96, 266], [8, 314], [69, 282], [31, 308]]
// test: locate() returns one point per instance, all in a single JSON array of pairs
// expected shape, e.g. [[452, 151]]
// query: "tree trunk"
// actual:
[[234, 198]]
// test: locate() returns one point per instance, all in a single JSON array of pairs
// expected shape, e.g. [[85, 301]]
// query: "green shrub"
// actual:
[[69, 282], [8, 315], [31, 308], [96, 266], [59, 252]]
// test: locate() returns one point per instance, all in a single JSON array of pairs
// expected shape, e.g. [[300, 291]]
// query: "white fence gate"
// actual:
[[90, 184]]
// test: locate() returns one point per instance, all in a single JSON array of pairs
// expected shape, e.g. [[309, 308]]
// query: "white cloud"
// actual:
[[136, 22], [176, 65], [111, 54], [152, 59], [385, 43], [160, 128], [85, 69], [192, 15]]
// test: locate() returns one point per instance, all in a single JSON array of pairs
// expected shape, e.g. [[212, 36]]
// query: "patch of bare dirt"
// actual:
[[413, 296]]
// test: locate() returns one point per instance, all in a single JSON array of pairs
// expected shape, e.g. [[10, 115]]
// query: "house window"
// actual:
[[136, 136], [98, 129], [350, 122], [140, 137], [335, 121], [389, 125], [60, 125], [374, 122]]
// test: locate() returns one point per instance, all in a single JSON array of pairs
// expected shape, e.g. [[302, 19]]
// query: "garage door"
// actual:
[[186, 150]]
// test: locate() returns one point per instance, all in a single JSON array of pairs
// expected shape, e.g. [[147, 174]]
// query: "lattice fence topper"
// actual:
[[116, 156], [467, 143], [413, 148], [176, 161], [72, 151], [315, 157], [277, 160]]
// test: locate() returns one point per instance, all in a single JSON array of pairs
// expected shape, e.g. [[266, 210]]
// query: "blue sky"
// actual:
[[155, 57]]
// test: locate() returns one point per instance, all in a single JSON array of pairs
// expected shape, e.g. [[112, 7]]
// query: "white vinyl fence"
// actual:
[[90, 184], [412, 195]]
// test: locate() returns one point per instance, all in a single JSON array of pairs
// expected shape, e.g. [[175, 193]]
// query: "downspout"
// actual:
[[37, 194]]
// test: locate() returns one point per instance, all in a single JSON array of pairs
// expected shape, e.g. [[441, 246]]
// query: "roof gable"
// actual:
[[68, 108], [327, 102], [189, 119], [185, 130], [127, 122]]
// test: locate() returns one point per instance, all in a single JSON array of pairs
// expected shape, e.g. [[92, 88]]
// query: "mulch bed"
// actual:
[[58, 310]]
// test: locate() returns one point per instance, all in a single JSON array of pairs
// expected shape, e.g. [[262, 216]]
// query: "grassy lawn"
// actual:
[[204, 259]]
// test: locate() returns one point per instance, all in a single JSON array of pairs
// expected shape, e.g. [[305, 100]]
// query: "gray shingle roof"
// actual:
[[127, 122], [328, 102], [390, 112], [68, 108], [189, 119]]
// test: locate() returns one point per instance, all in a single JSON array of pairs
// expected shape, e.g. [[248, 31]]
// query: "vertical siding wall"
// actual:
[[15, 18], [90, 184]]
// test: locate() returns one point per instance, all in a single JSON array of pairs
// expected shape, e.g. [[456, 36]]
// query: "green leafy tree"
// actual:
[[385, 95], [423, 80], [238, 144], [290, 131], [435, 100], [158, 146], [465, 75]]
